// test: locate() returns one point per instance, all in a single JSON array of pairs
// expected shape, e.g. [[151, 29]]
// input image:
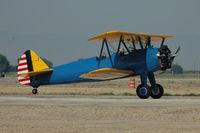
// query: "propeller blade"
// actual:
[[172, 58], [178, 49]]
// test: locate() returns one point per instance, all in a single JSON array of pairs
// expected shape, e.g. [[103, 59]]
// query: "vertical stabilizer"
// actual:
[[29, 62]]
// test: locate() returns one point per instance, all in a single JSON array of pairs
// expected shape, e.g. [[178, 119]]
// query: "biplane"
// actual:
[[122, 54]]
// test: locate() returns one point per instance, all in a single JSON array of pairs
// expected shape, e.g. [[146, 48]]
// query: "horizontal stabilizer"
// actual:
[[106, 74], [30, 74]]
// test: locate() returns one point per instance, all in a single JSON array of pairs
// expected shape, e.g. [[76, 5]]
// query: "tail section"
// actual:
[[30, 64], [23, 68]]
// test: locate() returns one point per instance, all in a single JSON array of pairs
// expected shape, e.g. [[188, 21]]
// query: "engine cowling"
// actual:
[[165, 57]]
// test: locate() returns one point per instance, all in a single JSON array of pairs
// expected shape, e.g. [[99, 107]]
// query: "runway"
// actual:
[[99, 100], [98, 114]]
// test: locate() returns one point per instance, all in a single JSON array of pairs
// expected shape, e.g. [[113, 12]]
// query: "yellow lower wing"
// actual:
[[106, 73]]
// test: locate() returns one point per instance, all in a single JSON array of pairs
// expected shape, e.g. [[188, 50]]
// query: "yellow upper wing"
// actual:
[[113, 36], [106, 73]]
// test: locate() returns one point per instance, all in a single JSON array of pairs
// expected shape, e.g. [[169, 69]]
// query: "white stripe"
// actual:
[[22, 72], [23, 56], [22, 61], [24, 66], [25, 82], [19, 78]]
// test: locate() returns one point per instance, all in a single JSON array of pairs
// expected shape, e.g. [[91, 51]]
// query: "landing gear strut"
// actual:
[[35, 91]]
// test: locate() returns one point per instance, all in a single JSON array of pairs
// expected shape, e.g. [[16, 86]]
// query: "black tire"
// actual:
[[158, 92], [143, 91], [34, 91]]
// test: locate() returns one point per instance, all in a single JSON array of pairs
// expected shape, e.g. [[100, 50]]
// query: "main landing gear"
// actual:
[[157, 92], [144, 91]]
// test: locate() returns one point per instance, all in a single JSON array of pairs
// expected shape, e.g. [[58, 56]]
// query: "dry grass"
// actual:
[[173, 85]]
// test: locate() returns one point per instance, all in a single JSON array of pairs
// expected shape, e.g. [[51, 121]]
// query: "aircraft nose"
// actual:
[[165, 57]]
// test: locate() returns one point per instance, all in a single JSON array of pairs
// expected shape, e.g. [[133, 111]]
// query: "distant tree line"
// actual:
[[5, 65]]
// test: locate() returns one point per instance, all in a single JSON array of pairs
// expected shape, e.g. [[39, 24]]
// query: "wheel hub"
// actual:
[[143, 91], [156, 91]]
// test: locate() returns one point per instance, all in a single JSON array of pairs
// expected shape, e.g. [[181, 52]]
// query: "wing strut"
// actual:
[[162, 43], [108, 50], [133, 42], [148, 42], [140, 41], [119, 45], [101, 52], [125, 46]]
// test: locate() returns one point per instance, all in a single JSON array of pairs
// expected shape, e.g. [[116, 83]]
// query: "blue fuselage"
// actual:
[[138, 61]]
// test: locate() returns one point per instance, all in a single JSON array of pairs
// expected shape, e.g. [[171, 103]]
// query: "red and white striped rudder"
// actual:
[[22, 69]]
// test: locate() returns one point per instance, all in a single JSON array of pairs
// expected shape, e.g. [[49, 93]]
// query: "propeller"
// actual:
[[165, 56], [178, 49], [176, 53]]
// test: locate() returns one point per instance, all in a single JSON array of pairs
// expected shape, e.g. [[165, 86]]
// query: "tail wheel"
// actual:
[[34, 91], [157, 92], [143, 91]]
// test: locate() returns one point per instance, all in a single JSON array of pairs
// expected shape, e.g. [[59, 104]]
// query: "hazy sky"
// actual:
[[58, 29]]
